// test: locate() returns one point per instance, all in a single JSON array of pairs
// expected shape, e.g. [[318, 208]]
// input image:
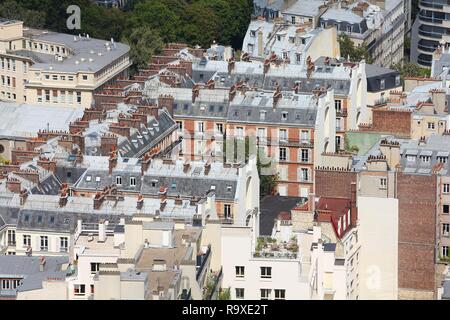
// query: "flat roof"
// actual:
[[25, 120]]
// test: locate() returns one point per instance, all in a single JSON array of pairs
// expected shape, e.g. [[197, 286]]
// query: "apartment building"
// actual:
[[291, 265], [292, 43], [42, 67], [20, 122], [429, 31], [380, 26], [32, 278]]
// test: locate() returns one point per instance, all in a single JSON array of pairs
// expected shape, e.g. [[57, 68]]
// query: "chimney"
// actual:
[[42, 264], [145, 163], [98, 200], [63, 196], [186, 166], [112, 159], [260, 44], [140, 202], [277, 96], [231, 64], [23, 196], [47, 164], [266, 65], [108, 142], [195, 92], [102, 230], [13, 185], [207, 166], [353, 208], [232, 93], [178, 200]]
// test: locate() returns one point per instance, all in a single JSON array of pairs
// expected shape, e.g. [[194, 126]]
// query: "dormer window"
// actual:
[[410, 158], [97, 179], [262, 115], [88, 179], [349, 28], [442, 159], [284, 115], [425, 158], [132, 181], [119, 180], [252, 33], [278, 38], [382, 84]]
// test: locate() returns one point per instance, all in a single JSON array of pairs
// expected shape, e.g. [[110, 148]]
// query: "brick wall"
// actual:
[[417, 231], [390, 121], [334, 183]]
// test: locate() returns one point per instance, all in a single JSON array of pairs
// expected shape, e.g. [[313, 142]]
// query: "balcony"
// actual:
[[270, 248]]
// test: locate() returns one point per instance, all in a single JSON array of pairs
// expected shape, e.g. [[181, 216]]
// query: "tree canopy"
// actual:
[[144, 24], [352, 52]]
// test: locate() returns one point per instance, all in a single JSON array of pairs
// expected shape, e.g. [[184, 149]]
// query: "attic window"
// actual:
[[175, 106], [97, 179], [66, 221], [213, 187], [220, 108], [186, 106], [284, 115], [211, 108], [52, 219], [27, 217], [262, 115], [174, 185], [88, 178], [39, 219], [229, 188], [154, 182]]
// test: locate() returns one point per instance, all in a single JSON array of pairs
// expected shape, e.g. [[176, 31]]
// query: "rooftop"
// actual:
[[24, 120]]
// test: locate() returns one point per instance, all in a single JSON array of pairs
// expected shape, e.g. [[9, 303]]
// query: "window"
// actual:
[[26, 240], [383, 183], [200, 126], [11, 237], [445, 209], [88, 178], [431, 125], [47, 77], [227, 211], [119, 180], [338, 105], [446, 188], [85, 78], [425, 159], [239, 293], [284, 115], [442, 159], [78, 97], [285, 55], [445, 229], [63, 78], [63, 244], [47, 95], [445, 251], [397, 80], [298, 57], [180, 125], [382, 84], [70, 78], [305, 155], [252, 33], [349, 28], [283, 154], [79, 289], [132, 181], [240, 271], [280, 294], [266, 272], [240, 132], [410, 158], [95, 267], [262, 115], [44, 243], [305, 174], [283, 135], [55, 77], [293, 19], [265, 294], [219, 127], [305, 136]]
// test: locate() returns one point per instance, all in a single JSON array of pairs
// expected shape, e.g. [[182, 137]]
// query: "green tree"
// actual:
[[10, 9], [202, 25], [158, 16], [225, 294], [144, 42], [352, 52], [410, 69]]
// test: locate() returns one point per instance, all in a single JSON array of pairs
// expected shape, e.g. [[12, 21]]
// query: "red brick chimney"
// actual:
[[145, 163], [47, 164], [112, 159], [107, 143], [140, 202]]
